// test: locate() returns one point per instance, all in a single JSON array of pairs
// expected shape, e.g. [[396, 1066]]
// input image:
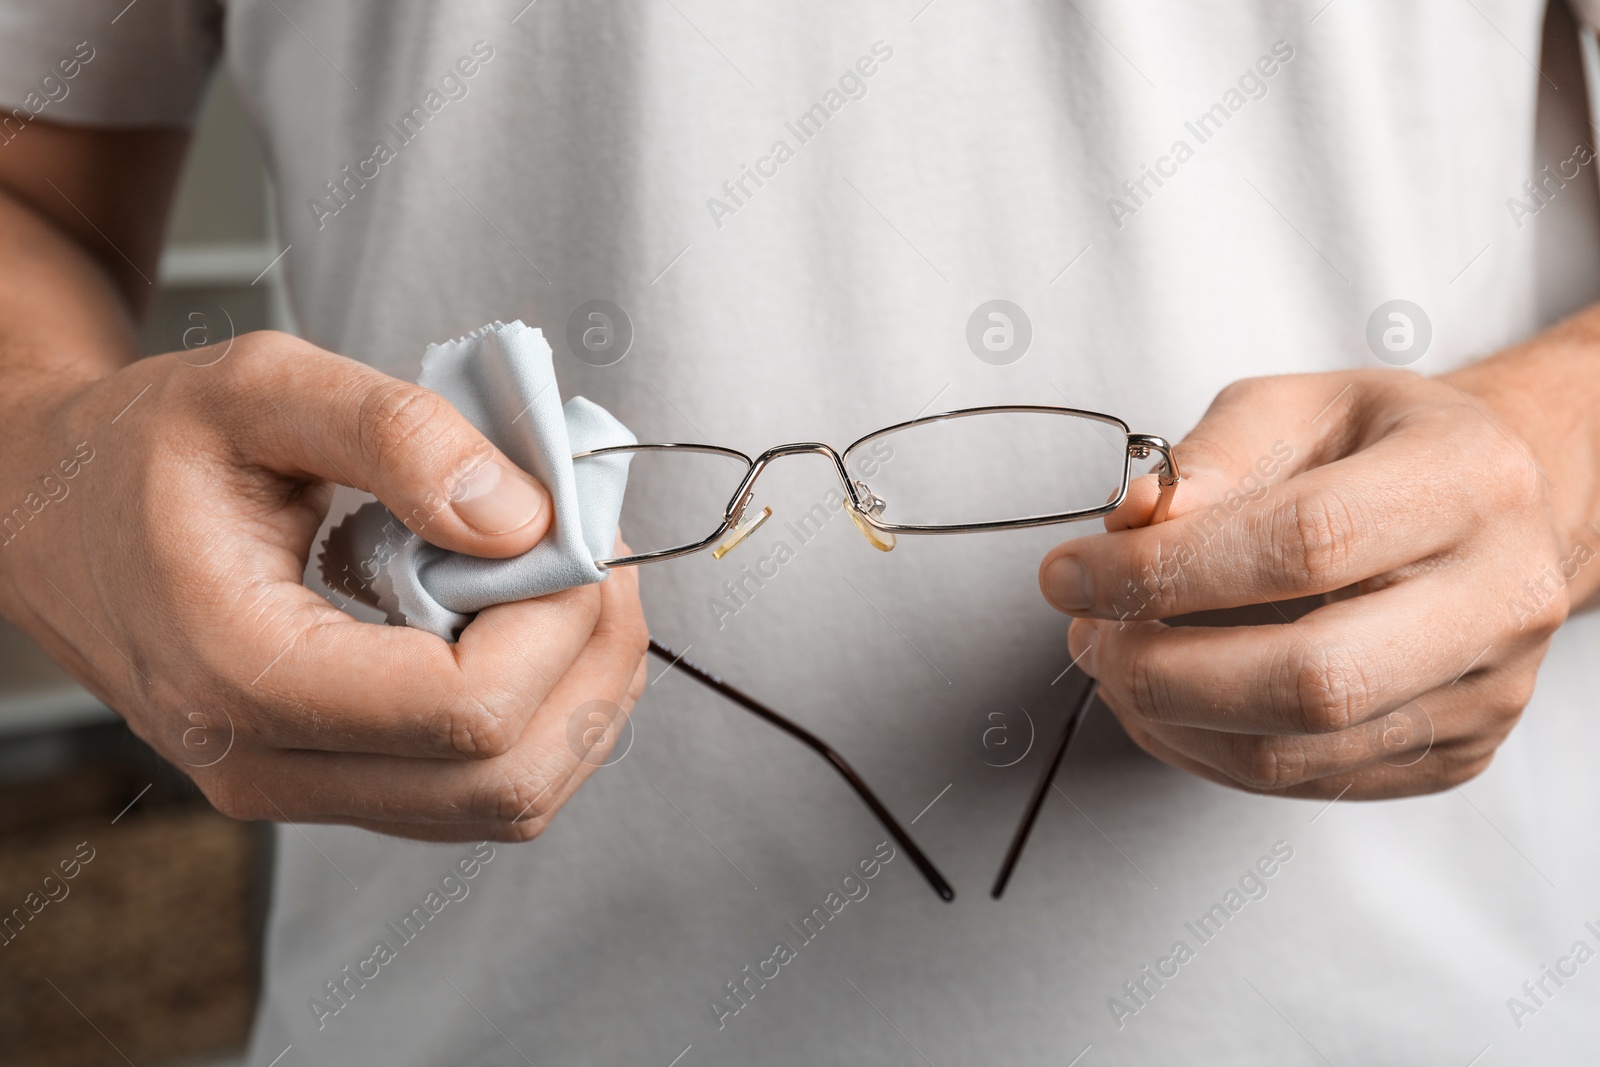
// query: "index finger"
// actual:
[[1344, 664], [1234, 539], [1316, 533], [330, 682]]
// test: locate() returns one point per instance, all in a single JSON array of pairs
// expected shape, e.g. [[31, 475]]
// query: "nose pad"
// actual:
[[745, 528], [882, 540]]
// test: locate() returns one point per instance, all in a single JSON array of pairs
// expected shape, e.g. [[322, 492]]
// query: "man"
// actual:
[[1177, 197]]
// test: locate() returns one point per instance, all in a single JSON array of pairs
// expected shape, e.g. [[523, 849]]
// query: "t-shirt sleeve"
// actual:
[[107, 62]]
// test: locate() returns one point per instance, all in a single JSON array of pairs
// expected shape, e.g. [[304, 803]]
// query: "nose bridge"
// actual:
[[798, 448], [882, 540]]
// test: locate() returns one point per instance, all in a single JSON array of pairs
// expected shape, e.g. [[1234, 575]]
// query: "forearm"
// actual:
[[62, 323], [1547, 391], [79, 254]]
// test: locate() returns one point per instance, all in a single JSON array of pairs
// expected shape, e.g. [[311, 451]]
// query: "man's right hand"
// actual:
[[165, 573], [167, 579]]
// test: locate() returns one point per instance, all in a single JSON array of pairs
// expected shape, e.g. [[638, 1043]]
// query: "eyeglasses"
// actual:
[[976, 469], [1003, 467]]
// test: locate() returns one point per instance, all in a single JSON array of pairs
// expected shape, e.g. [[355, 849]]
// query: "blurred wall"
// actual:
[[130, 911]]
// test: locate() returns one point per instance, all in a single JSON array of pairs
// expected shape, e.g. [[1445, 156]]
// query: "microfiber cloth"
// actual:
[[501, 377]]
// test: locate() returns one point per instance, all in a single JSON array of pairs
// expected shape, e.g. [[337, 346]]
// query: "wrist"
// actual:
[[47, 451], [1544, 395], [34, 401]]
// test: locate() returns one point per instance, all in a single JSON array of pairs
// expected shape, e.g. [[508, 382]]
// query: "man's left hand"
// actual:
[[1415, 508]]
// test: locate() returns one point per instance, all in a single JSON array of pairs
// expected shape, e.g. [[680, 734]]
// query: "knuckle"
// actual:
[[268, 341], [1507, 471], [396, 419], [1146, 687], [639, 642], [1514, 700], [636, 685], [1553, 608], [638, 629], [271, 338], [255, 360], [1150, 589], [233, 799], [514, 802], [1465, 769], [477, 730], [518, 833], [1268, 763], [1504, 476], [1143, 677], [627, 626], [1522, 688], [1317, 533], [1241, 390], [1330, 692]]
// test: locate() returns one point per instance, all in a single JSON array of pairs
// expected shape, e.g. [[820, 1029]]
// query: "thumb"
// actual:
[[313, 413]]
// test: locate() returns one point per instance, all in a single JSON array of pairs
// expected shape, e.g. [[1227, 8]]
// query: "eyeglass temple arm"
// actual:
[[1140, 446], [817, 745], [1035, 802]]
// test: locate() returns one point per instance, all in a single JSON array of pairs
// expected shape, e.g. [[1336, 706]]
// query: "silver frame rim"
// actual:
[[1137, 446]]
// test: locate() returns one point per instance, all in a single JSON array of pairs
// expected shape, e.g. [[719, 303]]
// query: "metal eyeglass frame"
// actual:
[[865, 507]]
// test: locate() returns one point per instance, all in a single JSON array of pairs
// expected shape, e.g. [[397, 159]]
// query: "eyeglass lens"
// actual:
[[992, 467], [1032, 464]]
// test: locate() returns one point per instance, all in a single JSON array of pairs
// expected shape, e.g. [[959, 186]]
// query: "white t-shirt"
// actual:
[[536, 158]]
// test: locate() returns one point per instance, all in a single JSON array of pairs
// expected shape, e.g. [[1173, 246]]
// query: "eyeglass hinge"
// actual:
[[1140, 445]]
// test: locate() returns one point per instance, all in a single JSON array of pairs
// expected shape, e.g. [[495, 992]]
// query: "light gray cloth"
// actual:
[[502, 379]]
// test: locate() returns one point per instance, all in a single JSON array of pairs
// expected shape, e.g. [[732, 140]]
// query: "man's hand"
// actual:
[[156, 516], [1445, 550], [164, 571]]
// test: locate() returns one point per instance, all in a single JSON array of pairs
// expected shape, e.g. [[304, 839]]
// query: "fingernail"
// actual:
[[1067, 585], [496, 500]]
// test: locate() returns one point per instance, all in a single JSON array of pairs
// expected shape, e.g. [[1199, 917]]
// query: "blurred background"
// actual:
[[151, 953], [156, 939]]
